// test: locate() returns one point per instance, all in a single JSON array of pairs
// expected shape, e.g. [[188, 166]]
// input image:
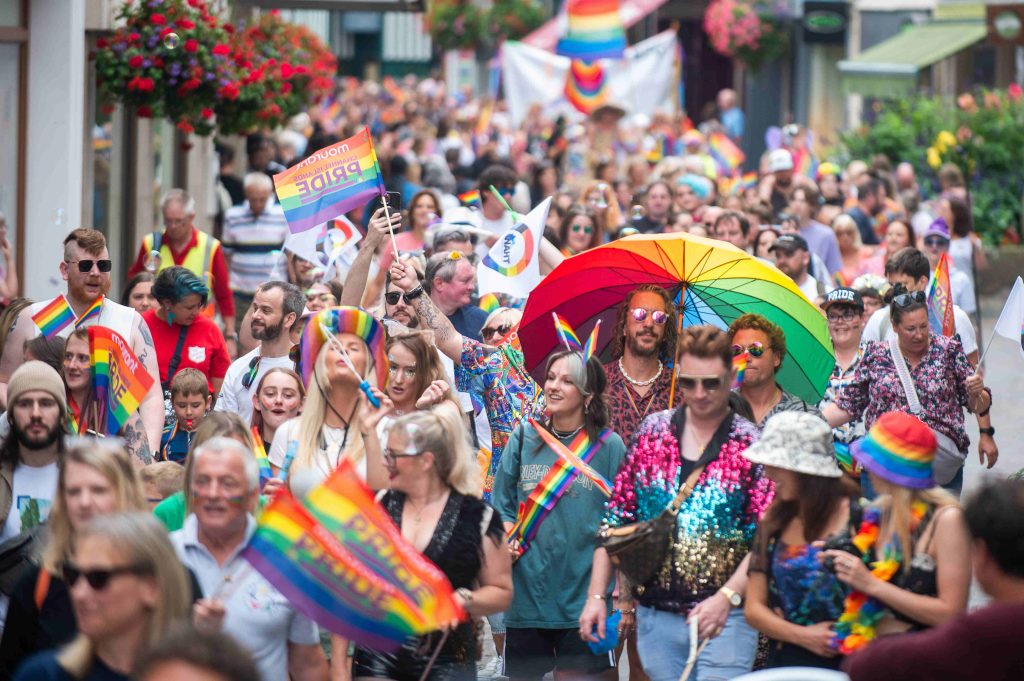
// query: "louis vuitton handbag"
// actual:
[[638, 550]]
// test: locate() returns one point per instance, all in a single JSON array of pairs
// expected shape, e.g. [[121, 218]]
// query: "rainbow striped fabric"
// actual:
[[727, 155], [595, 31], [566, 334], [329, 183], [339, 320], [739, 363], [586, 86], [470, 198], [262, 460], [55, 317], [91, 312], [118, 377], [340, 560], [900, 448], [940, 300]]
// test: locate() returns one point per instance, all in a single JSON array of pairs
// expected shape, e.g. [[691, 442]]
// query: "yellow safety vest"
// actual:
[[198, 260]]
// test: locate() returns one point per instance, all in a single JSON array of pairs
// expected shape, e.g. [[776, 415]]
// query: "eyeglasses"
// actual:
[[392, 298], [843, 316], [709, 383], [98, 579], [391, 455], [935, 242], [85, 266], [407, 372], [908, 299], [756, 349], [489, 331], [586, 229], [639, 314], [250, 375]]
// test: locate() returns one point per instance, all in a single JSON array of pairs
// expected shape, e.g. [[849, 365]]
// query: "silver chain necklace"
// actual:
[[637, 383]]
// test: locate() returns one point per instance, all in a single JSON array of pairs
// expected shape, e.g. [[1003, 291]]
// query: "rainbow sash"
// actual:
[[549, 490]]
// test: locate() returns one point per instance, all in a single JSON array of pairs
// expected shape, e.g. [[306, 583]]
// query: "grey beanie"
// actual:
[[36, 375]]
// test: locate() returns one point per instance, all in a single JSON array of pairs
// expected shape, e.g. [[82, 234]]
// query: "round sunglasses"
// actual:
[[639, 314], [756, 349]]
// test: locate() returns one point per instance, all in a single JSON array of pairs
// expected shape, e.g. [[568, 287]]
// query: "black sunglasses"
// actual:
[[98, 579], [85, 266], [250, 375], [489, 331], [392, 298], [935, 242], [908, 299], [709, 383]]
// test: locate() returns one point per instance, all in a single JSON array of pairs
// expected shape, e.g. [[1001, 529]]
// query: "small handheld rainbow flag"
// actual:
[[591, 346], [489, 303], [266, 472], [330, 182], [119, 378], [806, 164], [727, 155], [739, 363], [91, 312], [566, 334], [470, 198], [55, 317], [940, 300]]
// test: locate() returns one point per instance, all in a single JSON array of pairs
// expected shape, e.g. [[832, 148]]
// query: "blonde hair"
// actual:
[[142, 541], [442, 433], [168, 476], [844, 221], [896, 514], [508, 315], [113, 463], [310, 424], [215, 424]]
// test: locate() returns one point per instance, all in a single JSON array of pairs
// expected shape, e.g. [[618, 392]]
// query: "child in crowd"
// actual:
[[161, 480], [190, 397]]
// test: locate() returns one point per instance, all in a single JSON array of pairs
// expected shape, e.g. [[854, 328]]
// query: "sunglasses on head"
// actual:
[[489, 331], [98, 579], [85, 266], [586, 229], [756, 349], [908, 299], [639, 314], [935, 242], [709, 383]]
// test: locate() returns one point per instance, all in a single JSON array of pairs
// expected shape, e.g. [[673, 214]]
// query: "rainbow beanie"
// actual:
[[899, 448]]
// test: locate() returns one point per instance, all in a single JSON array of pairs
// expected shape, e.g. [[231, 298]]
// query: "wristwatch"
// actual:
[[231, 336], [735, 600], [413, 294], [987, 431]]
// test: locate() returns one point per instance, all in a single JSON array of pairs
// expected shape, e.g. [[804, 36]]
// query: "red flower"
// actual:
[[301, 70], [146, 84], [108, 109], [229, 91], [1014, 92], [286, 88], [185, 127], [145, 112], [186, 24], [166, 32], [207, 113], [157, 19], [101, 42], [221, 49], [136, 61], [287, 70], [191, 45], [133, 37], [191, 84]]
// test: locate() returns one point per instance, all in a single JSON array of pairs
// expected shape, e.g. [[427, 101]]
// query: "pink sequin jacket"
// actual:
[[715, 526]]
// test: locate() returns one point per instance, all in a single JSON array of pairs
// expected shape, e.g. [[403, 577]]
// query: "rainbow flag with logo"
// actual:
[[118, 377], [595, 31], [940, 300], [330, 182], [339, 559], [55, 317]]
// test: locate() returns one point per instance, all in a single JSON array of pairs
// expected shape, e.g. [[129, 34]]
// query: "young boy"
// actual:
[[162, 479], [190, 397]]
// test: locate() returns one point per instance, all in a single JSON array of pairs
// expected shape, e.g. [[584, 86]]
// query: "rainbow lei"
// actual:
[[861, 614]]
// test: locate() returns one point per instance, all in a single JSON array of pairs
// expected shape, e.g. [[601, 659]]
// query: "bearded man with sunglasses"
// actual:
[[765, 345], [701, 444], [86, 268]]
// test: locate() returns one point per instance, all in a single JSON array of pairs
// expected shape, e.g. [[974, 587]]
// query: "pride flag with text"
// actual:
[[118, 377]]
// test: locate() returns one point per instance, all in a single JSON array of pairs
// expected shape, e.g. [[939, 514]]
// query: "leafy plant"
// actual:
[[456, 24]]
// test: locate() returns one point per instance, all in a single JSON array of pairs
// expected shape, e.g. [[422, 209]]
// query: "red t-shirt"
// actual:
[[203, 349]]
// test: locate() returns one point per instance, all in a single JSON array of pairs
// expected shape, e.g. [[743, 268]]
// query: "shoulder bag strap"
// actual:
[[904, 373], [685, 491], [172, 367]]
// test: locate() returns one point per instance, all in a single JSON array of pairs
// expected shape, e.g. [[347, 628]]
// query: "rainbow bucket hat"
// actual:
[[899, 448], [338, 320]]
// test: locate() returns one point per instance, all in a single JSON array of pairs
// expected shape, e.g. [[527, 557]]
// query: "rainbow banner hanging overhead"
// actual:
[[331, 182], [940, 300], [118, 377], [586, 86], [340, 560], [595, 31]]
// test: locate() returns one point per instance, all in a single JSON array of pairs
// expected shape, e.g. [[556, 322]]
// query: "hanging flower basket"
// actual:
[[456, 25], [514, 19], [750, 31]]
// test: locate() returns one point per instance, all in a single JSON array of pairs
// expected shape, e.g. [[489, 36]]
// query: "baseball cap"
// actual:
[[779, 160], [844, 296], [789, 242], [938, 228]]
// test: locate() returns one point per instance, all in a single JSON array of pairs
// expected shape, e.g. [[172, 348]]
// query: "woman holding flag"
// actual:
[[550, 489], [86, 414]]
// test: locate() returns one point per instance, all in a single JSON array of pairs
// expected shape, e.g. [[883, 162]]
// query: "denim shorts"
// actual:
[[663, 641]]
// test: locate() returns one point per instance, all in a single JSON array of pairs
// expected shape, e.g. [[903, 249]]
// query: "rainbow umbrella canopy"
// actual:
[[712, 282]]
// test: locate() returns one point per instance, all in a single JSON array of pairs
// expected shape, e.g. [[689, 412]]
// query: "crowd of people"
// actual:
[[741, 526]]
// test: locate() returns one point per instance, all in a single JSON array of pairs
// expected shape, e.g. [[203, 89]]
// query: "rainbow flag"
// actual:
[[262, 460], [940, 300], [340, 560], [91, 312], [727, 155], [329, 183], [118, 377], [55, 317], [591, 346], [489, 303], [586, 86], [566, 334], [595, 31], [470, 198], [806, 164], [573, 459], [739, 363]]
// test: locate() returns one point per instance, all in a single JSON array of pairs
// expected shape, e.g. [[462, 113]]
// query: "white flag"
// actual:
[[1011, 320], [512, 265]]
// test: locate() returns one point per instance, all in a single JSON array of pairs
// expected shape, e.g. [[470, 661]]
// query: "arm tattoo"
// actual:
[[137, 443], [435, 320], [147, 337]]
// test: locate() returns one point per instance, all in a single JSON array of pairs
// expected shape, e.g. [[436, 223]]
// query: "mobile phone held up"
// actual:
[[393, 199]]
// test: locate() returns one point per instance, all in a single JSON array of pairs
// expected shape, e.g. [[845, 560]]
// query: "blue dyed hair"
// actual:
[[175, 283]]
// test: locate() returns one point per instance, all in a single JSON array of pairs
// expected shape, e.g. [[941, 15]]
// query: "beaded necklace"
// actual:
[[861, 614]]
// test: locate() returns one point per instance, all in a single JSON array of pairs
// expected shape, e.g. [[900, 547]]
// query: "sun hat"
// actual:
[[796, 441], [339, 320], [899, 448], [36, 375], [780, 160]]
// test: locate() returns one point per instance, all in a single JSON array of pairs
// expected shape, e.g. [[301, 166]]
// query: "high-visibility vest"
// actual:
[[198, 260]]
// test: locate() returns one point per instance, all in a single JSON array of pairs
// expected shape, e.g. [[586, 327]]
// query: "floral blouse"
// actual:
[[939, 379]]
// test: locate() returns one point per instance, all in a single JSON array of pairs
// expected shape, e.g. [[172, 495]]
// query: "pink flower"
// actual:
[[1014, 92]]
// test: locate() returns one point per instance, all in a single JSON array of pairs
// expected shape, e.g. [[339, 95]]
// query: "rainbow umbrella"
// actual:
[[712, 282]]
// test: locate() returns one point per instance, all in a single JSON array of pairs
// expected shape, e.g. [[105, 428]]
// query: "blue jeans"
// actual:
[[663, 641]]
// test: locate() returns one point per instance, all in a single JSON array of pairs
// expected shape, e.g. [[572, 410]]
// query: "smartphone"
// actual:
[[393, 199]]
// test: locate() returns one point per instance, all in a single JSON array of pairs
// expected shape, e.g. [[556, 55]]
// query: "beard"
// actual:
[[632, 343], [35, 444], [266, 332]]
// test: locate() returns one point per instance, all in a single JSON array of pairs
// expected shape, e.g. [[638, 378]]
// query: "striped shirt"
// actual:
[[254, 244]]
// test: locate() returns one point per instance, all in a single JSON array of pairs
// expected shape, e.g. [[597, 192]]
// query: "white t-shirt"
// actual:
[[495, 227], [236, 398], [809, 287], [964, 328], [325, 459], [34, 490]]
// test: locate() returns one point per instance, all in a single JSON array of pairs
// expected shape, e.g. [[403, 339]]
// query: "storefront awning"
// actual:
[[891, 68]]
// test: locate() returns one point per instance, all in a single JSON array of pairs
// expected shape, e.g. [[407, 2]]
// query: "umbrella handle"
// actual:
[[679, 330]]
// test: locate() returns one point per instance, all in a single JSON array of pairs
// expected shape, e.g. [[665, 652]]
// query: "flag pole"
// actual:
[[981, 360], [383, 194], [502, 201]]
